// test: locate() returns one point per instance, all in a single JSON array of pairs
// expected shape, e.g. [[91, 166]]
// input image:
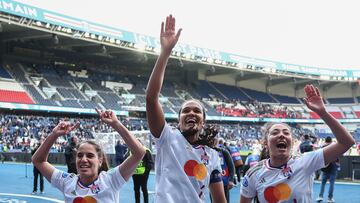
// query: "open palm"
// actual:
[[168, 37], [313, 99]]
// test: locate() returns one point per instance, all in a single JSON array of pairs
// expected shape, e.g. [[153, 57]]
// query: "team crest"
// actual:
[[95, 188], [287, 172]]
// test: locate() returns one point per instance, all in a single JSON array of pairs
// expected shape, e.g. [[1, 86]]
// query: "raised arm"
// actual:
[[128, 167], [154, 112], [39, 159], [315, 103]]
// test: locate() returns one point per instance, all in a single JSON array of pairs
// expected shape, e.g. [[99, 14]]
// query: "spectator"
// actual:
[[227, 166], [251, 160], [120, 152], [141, 176], [306, 145], [329, 172], [37, 173], [236, 158]]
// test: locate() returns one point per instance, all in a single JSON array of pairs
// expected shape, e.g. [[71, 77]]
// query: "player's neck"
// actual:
[[193, 138], [86, 181], [277, 162]]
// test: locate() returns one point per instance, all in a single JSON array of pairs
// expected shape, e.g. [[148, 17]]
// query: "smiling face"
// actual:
[[191, 117], [278, 141], [88, 161]]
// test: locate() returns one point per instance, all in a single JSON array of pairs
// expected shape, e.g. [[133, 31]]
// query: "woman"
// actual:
[[93, 183], [282, 178], [141, 176], [185, 167]]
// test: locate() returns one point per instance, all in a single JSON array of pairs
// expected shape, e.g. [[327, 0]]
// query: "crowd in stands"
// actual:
[[18, 133], [253, 108]]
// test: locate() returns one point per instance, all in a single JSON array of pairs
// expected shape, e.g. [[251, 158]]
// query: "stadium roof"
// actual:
[[55, 42], [314, 33]]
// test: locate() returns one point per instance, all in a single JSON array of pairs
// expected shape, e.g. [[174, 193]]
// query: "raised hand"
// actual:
[[168, 38], [64, 128], [107, 116], [313, 99]]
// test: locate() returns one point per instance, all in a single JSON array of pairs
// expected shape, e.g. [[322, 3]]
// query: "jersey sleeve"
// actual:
[[248, 188], [115, 179], [60, 178], [164, 135], [313, 161]]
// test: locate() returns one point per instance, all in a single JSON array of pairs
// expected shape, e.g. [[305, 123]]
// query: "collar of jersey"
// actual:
[[268, 165], [83, 186]]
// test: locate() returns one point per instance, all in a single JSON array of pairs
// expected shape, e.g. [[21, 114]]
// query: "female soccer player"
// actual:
[[184, 166], [93, 183], [283, 178]]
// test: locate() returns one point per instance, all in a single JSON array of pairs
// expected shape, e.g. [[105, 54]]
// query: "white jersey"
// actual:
[[290, 183], [182, 171], [104, 189]]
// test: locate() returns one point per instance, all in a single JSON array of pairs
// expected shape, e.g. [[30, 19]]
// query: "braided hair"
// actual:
[[208, 136]]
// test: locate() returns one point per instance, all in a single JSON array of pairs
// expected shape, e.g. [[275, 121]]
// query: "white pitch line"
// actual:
[[32, 196]]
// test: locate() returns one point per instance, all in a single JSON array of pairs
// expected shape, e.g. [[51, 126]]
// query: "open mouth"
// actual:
[[281, 145], [190, 121]]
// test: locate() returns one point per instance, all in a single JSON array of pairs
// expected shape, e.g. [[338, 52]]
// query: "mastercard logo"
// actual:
[[86, 199], [275, 194], [194, 169]]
